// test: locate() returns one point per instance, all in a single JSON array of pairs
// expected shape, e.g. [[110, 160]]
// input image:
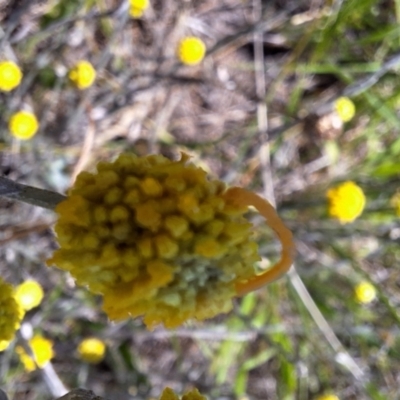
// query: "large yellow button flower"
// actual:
[[42, 350], [346, 202], [191, 50], [92, 350], [23, 125], [158, 238], [10, 313], [82, 75], [29, 294], [10, 76]]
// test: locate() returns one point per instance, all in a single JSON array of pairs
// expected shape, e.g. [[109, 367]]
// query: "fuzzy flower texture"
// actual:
[[157, 238], [11, 313]]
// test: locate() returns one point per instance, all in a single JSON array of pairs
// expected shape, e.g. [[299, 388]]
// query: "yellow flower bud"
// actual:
[[346, 202], [327, 397], [82, 75], [29, 294], [23, 125], [10, 76], [92, 350], [138, 7], [345, 109], [191, 50], [42, 350], [365, 292]]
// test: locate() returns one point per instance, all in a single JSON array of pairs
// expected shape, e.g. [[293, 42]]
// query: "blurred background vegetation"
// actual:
[[307, 334]]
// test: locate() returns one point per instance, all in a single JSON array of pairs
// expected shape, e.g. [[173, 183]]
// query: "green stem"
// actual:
[[28, 194]]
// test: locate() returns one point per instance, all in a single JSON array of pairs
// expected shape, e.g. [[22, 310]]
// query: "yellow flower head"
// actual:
[[138, 7], [345, 108], [169, 394], [10, 313], [10, 76], [327, 397], [82, 75], [365, 292], [42, 350], [191, 50], [92, 350], [395, 202], [158, 238], [23, 125], [346, 202], [29, 294]]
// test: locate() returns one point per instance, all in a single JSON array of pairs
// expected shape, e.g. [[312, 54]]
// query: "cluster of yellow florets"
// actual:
[[27, 295], [154, 237], [346, 202], [11, 313]]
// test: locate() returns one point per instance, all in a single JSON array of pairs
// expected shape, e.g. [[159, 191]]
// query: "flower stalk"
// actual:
[[29, 194]]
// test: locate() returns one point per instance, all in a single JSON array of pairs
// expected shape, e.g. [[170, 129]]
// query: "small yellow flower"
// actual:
[[92, 350], [10, 76], [29, 294], [169, 394], [191, 50], [365, 292], [157, 238], [138, 7], [346, 202], [345, 108], [395, 202], [10, 312], [23, 125], [82, 74], [42, 350], [327, 397]]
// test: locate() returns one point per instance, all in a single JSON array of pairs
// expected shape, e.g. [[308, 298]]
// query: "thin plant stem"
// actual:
[[29, 194]]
